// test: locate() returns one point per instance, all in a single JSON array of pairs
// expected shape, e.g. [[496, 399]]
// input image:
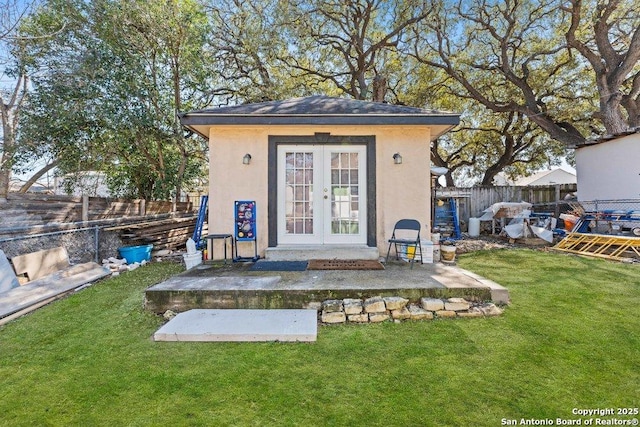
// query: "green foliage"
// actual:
[[246, 44], [350, 46], [557, 63], [111, 85], [530, 78], [569, 339]]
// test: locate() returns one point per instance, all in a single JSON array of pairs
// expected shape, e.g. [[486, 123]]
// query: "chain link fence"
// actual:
[[83, 244], [613, 217]]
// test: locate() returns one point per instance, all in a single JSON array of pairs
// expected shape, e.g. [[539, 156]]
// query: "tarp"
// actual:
[[520, 227], [516, 207]]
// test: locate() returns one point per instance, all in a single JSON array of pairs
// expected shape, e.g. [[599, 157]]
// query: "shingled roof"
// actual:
[[318, 110], [608, 137]]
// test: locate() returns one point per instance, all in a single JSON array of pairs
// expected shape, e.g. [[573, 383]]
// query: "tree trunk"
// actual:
[[611, 114], [9, 111], [614, 69], [5, 175], [379, 88], [6, 155], [37, 176]]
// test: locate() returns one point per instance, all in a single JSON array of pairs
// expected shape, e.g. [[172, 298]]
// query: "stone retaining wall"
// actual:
[[380, 309]]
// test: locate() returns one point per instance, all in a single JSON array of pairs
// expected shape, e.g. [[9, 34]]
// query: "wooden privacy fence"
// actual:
[[27, 209], [473, 201], [90, 228]]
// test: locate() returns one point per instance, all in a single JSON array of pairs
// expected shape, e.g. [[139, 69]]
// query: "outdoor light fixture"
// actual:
[[397, 159], [246, 159]]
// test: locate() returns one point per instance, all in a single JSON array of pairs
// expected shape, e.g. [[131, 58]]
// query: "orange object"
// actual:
[[569, 223]]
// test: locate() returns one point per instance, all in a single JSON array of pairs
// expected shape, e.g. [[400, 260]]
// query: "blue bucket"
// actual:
[[136, 253]]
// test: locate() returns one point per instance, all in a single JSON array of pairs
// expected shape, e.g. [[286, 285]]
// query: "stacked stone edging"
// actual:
[[380, 309]]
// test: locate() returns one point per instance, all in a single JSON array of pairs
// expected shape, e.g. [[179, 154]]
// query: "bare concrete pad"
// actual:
[[241, 325]]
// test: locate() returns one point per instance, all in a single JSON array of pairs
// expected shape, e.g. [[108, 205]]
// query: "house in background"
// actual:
[[15, 185], [90, 183], [329, 176], [546, 177], [608, 168]]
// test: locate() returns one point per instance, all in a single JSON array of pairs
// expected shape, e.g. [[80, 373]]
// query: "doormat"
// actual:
[[279, 266], [344, 264]]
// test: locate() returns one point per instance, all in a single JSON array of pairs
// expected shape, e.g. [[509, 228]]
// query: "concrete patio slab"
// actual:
[[207, 325], [236, 286]]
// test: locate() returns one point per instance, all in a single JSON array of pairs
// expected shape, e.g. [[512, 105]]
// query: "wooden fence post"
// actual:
[[85, 207]]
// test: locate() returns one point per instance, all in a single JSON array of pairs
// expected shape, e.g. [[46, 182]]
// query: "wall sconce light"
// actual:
[[397, 159], [246, 159]]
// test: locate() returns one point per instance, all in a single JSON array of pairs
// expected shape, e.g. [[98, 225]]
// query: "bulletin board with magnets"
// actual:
[[245, 226]]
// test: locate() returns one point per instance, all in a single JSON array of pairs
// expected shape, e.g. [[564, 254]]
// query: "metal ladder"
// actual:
[[601, 246], [447, 220], [202, 213], [454, 216]]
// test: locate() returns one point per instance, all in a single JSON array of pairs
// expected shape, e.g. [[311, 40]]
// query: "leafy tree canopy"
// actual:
[[531, 78], [110, 86]]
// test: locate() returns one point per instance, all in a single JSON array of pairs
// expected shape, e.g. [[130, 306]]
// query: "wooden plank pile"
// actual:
[[169, 233]]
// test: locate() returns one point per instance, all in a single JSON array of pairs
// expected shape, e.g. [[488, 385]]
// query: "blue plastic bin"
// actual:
[[136, 253]]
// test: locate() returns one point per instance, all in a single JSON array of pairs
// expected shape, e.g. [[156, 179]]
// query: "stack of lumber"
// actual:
[[169, 233]]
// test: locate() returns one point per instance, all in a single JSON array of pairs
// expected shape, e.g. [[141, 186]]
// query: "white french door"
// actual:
[[322, 194]]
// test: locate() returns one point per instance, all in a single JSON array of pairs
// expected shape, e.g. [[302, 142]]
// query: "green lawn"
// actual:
[[570, 339]]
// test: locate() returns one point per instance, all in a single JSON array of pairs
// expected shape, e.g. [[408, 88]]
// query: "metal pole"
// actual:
[[97, 242], [52, 233], [102, 222]]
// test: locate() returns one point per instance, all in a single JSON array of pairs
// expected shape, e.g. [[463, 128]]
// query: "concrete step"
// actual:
[[307, 252], [241, 325]]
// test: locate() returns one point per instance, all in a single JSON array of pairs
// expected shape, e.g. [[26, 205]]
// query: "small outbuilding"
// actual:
[[608, 168], [329, 176]]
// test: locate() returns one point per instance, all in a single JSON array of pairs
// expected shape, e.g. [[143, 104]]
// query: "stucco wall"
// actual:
[[402, 190], [609, 170]]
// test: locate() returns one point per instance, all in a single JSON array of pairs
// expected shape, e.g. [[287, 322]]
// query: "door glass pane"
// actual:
[[299, 193], [344, 194]]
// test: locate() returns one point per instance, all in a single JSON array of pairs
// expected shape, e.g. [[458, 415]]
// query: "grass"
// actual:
[[570, 339]]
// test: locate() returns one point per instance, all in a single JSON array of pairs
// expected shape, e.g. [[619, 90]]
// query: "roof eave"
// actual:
[[324, 119], [195, 130], [607, 138]]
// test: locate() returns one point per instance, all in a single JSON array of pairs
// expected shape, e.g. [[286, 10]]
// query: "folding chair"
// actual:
[[406, 235]]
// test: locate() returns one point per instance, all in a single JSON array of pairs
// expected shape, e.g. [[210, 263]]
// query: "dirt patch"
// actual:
[[483, 242]]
